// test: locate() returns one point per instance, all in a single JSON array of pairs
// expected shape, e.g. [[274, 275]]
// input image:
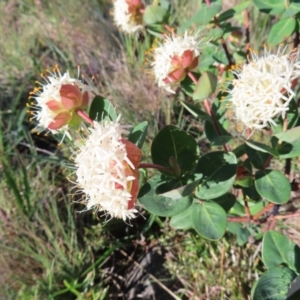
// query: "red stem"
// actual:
[[85, 117], [154, 166]]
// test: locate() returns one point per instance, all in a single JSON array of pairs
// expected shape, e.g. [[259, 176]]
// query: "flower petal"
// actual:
[[176, 75], [187, 58], [60, 120], [70, 96], [134, 153], [54, 106]]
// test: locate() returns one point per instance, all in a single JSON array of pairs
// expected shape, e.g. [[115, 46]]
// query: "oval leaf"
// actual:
[[219, 171], [155, 14], [184, 219], [281, 30], [138, 134], [277, 249], [101, 108], [151, 199], [261, 147], [274, 284], [290, 135], [270, 7], [273, 186], [206, 86], [217, 138], [174, 142], [226, 201], [209, 220], [203, 16], [257, 158]]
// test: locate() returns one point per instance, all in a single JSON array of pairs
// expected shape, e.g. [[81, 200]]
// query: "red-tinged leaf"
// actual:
[[194, 63], [54, 106], [134, 188], [60, 120], [187, 58], [133, 153], [176, 75], [70, 96]]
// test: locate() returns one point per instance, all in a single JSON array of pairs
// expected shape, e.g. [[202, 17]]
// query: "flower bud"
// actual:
[[173, 59], [58, 101], [128, 15]]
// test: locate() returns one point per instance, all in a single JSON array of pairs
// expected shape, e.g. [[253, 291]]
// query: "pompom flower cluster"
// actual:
[[128, 15], [174, 58], [106, 170], [58, 100], [263, 88]]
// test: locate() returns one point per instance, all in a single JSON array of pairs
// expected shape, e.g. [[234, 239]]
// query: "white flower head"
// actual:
[[57, 100], [174, 58], [128, 15], [263, 88], [106, 170]]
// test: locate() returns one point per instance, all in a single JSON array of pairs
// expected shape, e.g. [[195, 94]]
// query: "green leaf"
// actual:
[[290, 143], [274, 284], [181, 191], [289, 150], [290, 135], [292, 117], [172, 141], [209, 220], [292, 9], [155, 14], [251, 192], [206, 86], [204, 15], [156, 30], [257, 158], [195, 111], [184, 219], [151, 199], [244, 181], [239, 150], [138, 134], [230, 13], [187, 84], [101, 108], [226, 201], [277, 249], [242, 233], [214, 34], [272, 7], [213, 136], [273, 186], [262, 147], [281, 30], [218, 170]]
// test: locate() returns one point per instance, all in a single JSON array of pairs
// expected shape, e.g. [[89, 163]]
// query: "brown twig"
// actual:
[[247, 31], [223, 42], [246, 206]]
